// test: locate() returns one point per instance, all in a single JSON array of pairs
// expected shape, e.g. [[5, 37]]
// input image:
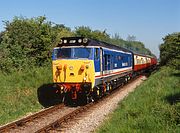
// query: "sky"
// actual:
[[148, 20]]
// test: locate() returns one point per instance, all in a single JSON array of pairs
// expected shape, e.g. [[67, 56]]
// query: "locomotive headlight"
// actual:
[[87, 66], [84, 78], [62, 87], [65, 41], [80, 41], [72, 41], [70, 67]]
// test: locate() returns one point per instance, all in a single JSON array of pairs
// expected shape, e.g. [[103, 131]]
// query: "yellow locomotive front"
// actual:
[[73, 71]]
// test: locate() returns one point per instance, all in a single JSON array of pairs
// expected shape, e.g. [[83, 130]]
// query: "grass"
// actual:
[[153, 107], [18, 92]]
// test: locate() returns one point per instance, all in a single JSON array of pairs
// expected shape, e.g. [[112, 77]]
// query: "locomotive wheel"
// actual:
[[49, 95], [96, 93], [110, 87], [82, 99], [68, 99]]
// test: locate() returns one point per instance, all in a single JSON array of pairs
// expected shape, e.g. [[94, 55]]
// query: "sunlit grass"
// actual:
[[153, 107], [18, 92]]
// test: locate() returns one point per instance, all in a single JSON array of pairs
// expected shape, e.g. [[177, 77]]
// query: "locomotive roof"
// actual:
[[82, 41], [150, 56]]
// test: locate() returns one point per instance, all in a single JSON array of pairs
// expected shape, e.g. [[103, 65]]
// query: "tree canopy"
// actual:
[[28, 42]]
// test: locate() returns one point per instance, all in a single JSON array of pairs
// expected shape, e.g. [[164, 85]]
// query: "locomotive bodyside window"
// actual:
[[96, 54]]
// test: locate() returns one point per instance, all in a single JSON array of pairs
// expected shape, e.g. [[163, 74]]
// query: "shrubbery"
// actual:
[[170, 50], [27, 42]]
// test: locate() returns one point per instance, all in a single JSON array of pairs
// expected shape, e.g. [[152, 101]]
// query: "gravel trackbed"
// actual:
[[93, 118]]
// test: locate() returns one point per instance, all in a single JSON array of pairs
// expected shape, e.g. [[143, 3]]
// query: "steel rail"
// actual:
[[23, 121], [58, 123]]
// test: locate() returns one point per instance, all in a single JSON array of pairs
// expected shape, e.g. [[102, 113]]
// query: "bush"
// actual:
[[170, 50]]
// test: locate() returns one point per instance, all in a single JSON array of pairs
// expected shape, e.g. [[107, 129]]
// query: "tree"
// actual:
[[61, 31], [131, 38], [28, 42], [170, 50], [83, 31]]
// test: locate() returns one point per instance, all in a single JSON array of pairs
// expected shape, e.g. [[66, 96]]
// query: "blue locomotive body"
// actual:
[[89, 68], [111, 64], [86, 69]]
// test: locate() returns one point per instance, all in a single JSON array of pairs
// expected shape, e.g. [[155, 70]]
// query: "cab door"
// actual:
[[107, 62], [101, 61]]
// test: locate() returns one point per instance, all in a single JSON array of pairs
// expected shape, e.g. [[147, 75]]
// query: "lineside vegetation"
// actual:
[[153, 107], [28, 42], [25, 54], [18, 92], [25, 60]]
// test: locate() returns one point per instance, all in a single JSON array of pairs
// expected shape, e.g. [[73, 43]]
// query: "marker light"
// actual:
[[59, 67], [80, 41], [65, 41], [85, 40], [82, 67], [65, 66], [72, 41], [61, 41], [87, 66]]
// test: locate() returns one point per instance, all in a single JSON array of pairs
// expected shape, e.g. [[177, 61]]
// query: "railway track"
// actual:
[[24, 122], [57, 125], [65, 118], [34, 123]]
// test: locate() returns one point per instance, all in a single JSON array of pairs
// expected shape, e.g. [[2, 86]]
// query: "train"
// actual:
[[85, 70]]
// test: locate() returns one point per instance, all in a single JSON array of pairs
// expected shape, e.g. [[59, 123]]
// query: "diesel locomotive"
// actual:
[[85, 69]]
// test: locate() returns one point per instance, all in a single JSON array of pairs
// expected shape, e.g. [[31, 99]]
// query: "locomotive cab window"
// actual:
[[59, 53], [72, 53]]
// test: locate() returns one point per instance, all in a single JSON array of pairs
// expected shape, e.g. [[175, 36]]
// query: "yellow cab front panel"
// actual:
[[73, 71]]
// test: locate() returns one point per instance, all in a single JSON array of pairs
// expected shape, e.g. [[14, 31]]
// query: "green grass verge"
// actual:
[[153, 107], [18, 92]]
